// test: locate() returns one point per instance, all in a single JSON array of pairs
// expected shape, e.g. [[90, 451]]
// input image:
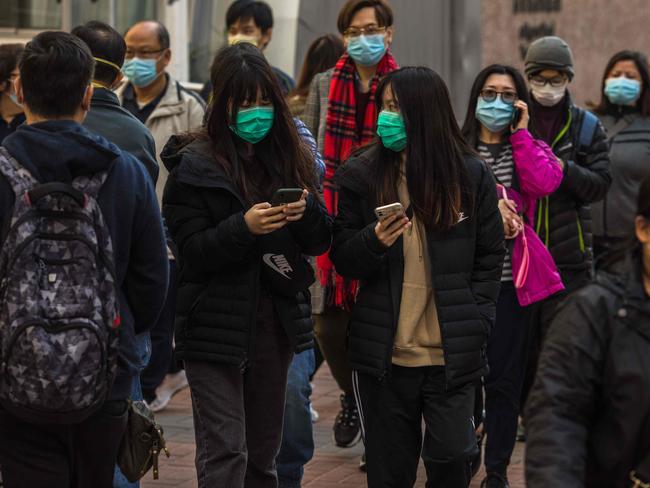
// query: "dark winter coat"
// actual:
[[564, 219], [220, 261], [588, 415], [62, 150], [466, 264], [630, 165]]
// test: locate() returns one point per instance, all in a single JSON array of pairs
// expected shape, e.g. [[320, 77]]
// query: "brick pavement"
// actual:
[[331, 467]]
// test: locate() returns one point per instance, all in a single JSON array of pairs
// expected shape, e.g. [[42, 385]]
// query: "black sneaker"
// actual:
[[347, 431], [495, 480], [362, 463]]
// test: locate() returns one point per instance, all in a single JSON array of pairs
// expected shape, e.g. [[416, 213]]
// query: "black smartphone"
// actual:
[[515, 117], [286, 195]]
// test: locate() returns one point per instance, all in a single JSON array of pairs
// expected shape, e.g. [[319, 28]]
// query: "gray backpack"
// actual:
[[59, 311]]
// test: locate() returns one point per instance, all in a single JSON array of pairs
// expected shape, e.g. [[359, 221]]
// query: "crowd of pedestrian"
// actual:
[[468, 286]]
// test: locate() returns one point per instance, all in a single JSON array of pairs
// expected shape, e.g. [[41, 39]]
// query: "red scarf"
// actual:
[[341, 138]]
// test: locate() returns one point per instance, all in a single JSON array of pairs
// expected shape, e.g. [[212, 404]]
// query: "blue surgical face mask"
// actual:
[[622, 90], [14, 98], [140, 72], [495, 115], [367, 50]]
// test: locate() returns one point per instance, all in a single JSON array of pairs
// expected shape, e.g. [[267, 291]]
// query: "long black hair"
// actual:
[[239, 74], [471, 126], [322, 55], [435, 153], [641, 63]]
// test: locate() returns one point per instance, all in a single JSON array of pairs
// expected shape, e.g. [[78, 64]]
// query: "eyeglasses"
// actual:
[[142, 54], [540, 82], [370, 30], [490, 95]]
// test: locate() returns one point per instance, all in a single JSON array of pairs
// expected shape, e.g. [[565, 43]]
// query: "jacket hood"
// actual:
[[188, 156], [60, 150]]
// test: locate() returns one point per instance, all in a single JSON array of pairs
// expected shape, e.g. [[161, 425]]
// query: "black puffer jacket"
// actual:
[[564, 219], [220, 260], [466, 265], [588, 415]]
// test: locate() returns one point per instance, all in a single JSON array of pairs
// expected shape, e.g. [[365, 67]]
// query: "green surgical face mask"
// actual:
[[391, 130], [253, 124]]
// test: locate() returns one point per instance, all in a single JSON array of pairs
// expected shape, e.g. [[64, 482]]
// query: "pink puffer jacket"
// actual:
[[539, 174]]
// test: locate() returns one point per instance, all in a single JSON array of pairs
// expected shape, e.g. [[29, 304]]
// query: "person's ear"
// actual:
[[642, 229], [4, 85], [88, 95], [117, 81], [388, 39], [266, 38], [166, 58], [18, 89]]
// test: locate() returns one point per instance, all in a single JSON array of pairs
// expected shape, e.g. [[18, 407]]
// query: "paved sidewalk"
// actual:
[[331, 467]]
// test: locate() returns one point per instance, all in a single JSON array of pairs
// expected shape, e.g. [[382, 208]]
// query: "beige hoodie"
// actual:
[[418, 341]]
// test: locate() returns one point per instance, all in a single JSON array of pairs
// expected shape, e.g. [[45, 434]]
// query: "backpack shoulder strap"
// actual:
[[20, 179], [587, 129], [90, 185]]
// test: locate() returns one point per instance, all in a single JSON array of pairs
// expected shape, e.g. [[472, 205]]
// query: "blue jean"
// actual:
[[143, 344], [297, 435]]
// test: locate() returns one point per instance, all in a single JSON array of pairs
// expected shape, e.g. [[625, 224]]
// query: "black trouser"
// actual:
[[507, 356], [162, 336], [238, 417], [391, 413], [62, 456], [541, 316]]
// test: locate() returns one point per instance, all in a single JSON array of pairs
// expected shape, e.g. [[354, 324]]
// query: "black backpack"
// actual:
[[59, 311]]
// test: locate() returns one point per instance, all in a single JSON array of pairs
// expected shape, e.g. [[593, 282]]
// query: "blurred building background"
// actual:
[[454, 37]]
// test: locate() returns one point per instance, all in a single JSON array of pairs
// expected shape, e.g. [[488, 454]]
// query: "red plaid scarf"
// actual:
[[341, 138]]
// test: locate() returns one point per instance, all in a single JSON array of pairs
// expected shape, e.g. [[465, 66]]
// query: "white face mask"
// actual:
[[237, 38], [549, 96]]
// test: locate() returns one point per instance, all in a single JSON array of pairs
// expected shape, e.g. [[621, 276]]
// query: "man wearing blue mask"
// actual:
[[342, 114], [166, 108]]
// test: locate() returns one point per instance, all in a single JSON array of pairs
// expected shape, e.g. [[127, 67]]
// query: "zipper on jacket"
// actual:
[[544, 206]]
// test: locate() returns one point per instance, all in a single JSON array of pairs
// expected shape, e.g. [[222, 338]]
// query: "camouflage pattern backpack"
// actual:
[[59, 311]]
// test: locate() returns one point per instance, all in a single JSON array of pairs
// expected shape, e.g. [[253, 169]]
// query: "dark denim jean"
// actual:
[[297, 435], [143, 343]]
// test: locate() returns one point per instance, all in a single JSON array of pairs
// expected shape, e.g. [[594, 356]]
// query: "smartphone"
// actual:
[[515, 117], [388, 210], [286, 195]]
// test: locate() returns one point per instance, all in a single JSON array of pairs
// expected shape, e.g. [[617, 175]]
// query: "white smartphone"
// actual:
[[388, 210]]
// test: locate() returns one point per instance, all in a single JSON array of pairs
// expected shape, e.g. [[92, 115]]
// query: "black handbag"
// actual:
[[141, 444], [285, 268]]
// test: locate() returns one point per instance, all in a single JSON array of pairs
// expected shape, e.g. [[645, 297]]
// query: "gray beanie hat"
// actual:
[[549, 52]]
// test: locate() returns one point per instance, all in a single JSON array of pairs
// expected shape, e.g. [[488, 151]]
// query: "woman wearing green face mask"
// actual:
[[624, 111], [429, 280], [243, 307]]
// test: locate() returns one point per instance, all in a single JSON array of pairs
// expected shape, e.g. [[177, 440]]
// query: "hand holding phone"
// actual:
[[392, 223], [521, 116], [295, 210]]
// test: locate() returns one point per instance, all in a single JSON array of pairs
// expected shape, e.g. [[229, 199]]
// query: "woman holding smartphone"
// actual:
[[526, 169], [429, 282], [243, 301]]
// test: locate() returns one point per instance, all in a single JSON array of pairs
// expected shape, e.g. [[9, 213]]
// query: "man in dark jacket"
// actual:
[[588, 416], [106, 116], [54, 86], [563, 219], [252, 21]]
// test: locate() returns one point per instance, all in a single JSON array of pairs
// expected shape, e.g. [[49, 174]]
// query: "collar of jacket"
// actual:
[[627, 283], [170, 104]]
